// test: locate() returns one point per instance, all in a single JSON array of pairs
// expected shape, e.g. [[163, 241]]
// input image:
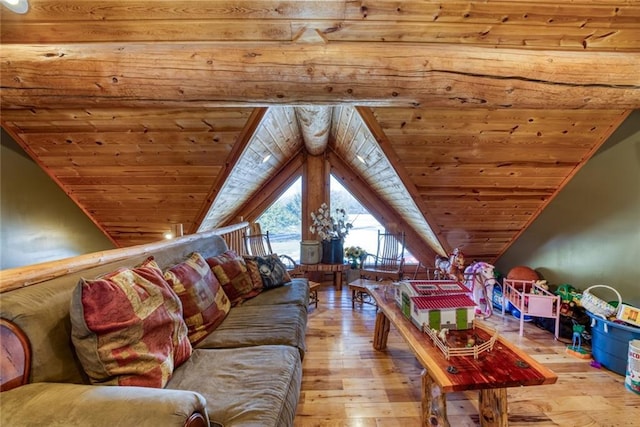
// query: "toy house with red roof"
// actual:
[[440, 304]]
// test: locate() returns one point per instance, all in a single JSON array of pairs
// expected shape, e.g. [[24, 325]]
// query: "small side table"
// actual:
[[313, 292], [359, 291], [337, 270]]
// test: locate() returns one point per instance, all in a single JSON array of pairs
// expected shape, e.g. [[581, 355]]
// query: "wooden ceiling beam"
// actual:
[[208, 74], [315, 124]]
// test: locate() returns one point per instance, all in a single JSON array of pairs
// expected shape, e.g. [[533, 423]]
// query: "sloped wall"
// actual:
[[38, 222], [590, 233]]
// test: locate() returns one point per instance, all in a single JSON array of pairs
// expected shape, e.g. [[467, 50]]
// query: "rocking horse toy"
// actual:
[[480, 280], [451, 267]]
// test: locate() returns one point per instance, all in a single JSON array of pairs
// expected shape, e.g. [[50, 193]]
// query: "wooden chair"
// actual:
[[388, 262], [257, 243]]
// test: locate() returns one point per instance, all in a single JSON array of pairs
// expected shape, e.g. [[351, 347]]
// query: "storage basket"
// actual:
[[598, 306], [610, 343]]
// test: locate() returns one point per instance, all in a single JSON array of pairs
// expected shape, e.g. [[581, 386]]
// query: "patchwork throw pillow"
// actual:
[[204, 303], [273, 271], [231, 271], [254, 272], [127, 327]]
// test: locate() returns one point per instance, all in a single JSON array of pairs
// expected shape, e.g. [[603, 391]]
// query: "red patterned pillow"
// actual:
[[254, 272], [204, 303], [127, 327], [231, 271]]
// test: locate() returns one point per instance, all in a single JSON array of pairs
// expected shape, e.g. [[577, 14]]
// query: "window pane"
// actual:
[[283, 221], [365, 227]]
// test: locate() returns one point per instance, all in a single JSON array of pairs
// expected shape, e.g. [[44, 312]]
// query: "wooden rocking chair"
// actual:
[[257, 243], [387, 263]]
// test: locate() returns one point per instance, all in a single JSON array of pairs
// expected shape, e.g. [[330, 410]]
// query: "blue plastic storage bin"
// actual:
[[610, 343]]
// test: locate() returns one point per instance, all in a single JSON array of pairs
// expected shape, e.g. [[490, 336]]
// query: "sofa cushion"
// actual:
[[294, 292], [204, 303], [127, 327], [272, 270], [246, 326], [256, 386], [231, 271]]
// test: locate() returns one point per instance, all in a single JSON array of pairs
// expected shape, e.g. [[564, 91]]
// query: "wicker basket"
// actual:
[[598, 306]]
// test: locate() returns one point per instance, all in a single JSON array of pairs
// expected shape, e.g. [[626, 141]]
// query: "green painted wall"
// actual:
[[38, 222], [590, 233]]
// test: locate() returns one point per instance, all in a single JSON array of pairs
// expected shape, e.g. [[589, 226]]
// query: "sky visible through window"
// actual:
[[282, 220]]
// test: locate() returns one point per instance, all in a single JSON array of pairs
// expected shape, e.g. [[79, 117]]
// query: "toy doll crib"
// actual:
[[532, 300]]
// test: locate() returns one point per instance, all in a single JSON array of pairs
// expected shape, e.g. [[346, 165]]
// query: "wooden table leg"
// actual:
[[337, 279], [434, 403], [493, 407], [381, 331]]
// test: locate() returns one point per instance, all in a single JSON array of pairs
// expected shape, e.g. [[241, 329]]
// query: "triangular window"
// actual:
[[284, 222], [365, 227]]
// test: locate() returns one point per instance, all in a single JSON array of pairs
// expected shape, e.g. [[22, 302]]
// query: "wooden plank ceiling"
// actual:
[[458, 121]]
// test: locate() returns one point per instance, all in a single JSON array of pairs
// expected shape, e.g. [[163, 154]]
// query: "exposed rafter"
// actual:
[[388, 74], [315, 123], [142, 112]]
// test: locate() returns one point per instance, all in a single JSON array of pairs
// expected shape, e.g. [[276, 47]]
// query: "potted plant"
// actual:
[[355, 255], [332, 230]]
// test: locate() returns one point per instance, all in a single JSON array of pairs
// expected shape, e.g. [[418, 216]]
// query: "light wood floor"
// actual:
[[347, 383]]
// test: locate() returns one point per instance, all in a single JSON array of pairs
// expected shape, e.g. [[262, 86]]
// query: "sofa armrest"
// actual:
[[108, 406]]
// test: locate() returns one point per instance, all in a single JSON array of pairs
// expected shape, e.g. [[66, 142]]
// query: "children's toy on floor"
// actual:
[[576, 349], [532, 298], [629, 314], [609, 336]]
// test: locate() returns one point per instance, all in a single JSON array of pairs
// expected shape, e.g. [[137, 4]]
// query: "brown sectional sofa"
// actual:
[[247, 372]]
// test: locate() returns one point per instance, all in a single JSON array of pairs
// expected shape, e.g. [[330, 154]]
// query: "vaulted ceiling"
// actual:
[[457, 121]]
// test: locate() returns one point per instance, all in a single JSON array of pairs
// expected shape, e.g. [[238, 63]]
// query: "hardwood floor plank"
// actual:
[[346, 383]]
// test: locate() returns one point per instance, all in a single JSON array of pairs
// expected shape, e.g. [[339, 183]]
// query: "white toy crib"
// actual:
[[532, 300]]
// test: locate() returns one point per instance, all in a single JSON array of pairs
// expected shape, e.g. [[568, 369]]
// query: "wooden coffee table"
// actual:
[[504, 366], [359, 291]]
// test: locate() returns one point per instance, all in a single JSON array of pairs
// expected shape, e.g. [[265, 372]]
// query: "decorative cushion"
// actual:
[[273, 271], [127, 327], [231, 271], [254, 272], [204, 303]]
